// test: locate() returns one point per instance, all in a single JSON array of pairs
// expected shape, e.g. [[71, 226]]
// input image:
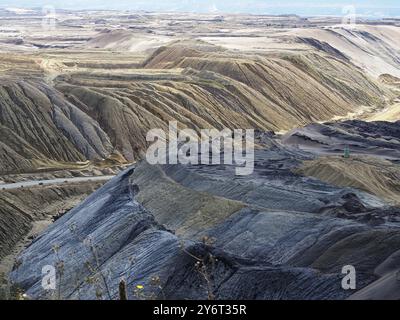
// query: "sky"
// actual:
[[368, 8]]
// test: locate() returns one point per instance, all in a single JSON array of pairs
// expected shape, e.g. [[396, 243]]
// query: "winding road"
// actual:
[[33, 183]]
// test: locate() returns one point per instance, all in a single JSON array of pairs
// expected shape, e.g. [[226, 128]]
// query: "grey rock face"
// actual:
[[379, 138], [198, 232]]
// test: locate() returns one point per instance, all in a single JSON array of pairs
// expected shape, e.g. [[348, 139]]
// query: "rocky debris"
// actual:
[[19, 209], [201, 232], [380, 139]]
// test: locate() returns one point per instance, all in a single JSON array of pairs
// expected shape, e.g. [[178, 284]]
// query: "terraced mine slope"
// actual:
[[380, 139], [91, 116], [85, 98], [378, 177], [26, 212], [271, 235], [78, 101]]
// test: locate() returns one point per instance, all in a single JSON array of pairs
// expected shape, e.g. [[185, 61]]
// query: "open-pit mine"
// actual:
[[78, 97]]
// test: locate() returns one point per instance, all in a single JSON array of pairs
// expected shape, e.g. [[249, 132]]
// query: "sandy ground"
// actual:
[[391, 114], [376, 176]]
